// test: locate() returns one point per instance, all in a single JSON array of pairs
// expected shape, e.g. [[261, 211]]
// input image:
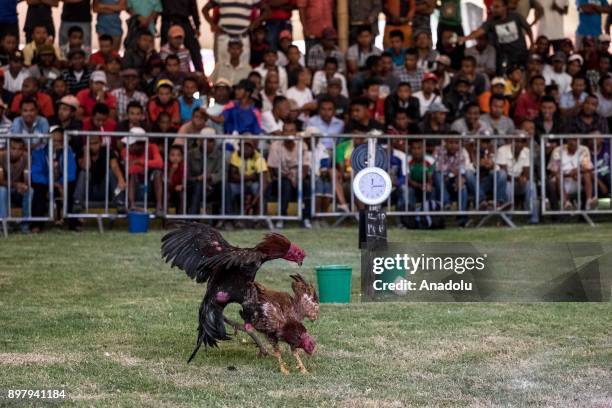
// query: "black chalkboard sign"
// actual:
[[372, 227]]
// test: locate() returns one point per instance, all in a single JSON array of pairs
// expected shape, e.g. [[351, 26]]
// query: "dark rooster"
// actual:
[[279, 316], [205, 256]]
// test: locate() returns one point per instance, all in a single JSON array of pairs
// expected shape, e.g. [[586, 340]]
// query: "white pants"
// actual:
[[222, 54]]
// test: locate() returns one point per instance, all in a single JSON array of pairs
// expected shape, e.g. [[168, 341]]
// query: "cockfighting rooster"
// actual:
[[279, 316], [205, 256]]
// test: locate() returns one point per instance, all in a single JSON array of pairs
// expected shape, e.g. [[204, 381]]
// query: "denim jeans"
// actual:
[[97, 191], [23, 199], [529, 194], [287, 192], [273, 30], [487, 187], [444, 188], [232, 195]]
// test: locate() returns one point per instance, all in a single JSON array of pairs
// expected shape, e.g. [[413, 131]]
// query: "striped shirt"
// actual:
[[75, 84], [235, 15], [5, 127]]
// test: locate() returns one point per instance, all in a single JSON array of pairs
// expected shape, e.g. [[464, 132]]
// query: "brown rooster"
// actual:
[[279, 316], [205, 256]]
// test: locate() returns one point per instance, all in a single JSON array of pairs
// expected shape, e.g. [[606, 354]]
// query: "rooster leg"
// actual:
[[281, 363], [235, 325], [251, 332], [300, 365]]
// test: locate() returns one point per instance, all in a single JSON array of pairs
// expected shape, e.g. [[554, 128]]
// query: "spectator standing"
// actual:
[[178, 12], [76, 13], [362, 14], [508, 30], [145, 13], [234, 21], [39, 14], [589, 19], [279, 20], [399, 15], [551, 24], [358, 53], [242, 116], [9, 23], [316, 17], [109, 21], [422, 16]]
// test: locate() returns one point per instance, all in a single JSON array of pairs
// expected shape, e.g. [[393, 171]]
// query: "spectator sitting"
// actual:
[[15, 73], [40, 177], [272, 121], [513, 160], [75, 42], [173, 73], [604, 95], [242, 116], [498, 85], [570, 162], [528, 104], [572, 100], [325, 123], [66, 115], [358, 53], [376, 102], [283, 161], [44, 70], [322, 77], [194, 126], [327, 48], [403, 100], [19, 192], [485, 56], [426, 56], [587, 120], [270, 60], [212, 173], [101, 57], [29, 90], [134, 154], [420, 169], [176, 179], [9, 43], [187, 103], [95, 165], [270, 91], [548, 122], [294, 65], [138, 56], [342, 103], [459, 97], [135, 118], [259, 46], [514, 82], [427, 95], [6, 96], [372, 69], [232, 70], [493, 181], [113, 74], [387, 74], [163, 124], [221, 95], [40, 36], [128, 93], [302, 94], [495, 118], [360, 118], [555, 73], [5, 124], [434, 122], [96, 93], [396, 47], [164, 101], [479, 83], [58, 90], [410, 72], [402, 125], [99, 121], [176, 46], [470, 123], [600, 150], [250, 174], [285, 42], [29, 122], [77, 75], [323, 179]]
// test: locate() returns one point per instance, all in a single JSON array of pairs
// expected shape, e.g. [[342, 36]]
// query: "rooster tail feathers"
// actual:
[[211, 327]]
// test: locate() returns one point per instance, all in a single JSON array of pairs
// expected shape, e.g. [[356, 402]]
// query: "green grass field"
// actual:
[[103, 317]]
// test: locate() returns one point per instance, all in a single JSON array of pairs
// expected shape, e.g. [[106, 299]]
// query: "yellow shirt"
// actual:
[[256, 164], [30, 49]]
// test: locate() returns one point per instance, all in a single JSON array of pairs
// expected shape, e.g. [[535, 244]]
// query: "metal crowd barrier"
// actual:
[[429, 142], [103, 210], [556, 200], [7, 189]]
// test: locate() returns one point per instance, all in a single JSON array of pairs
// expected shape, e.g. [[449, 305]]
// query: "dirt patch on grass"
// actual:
[[124, 359], [33, 358]]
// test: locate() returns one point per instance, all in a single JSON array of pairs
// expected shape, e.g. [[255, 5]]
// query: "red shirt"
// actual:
[[281, 13], [155, 107], [527, 107], [156, 162], [88, 100], [97, 58], [45, 104]]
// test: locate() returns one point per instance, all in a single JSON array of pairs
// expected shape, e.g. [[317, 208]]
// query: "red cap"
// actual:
[[428, 76]]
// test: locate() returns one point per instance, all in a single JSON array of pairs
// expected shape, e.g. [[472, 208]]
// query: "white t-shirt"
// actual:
[[302, 98], [569, 161], [551, 23], [504, 157], [563, 79], [269, 124], [425, 103], [319, 83], [14, 84]]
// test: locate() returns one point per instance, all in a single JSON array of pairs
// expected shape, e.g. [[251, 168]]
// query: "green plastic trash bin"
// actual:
[[334, 283]]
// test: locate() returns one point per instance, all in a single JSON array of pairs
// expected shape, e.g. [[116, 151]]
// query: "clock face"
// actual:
[[372, 185]]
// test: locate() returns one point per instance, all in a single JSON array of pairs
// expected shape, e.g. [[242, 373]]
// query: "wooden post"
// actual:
[[342, 13]]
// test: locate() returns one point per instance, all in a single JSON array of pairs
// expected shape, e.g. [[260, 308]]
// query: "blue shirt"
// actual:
[[398, 59], [567, 100], [39, 127], [589, 24], [335, 127], [8, 11], [40, 165], [187, 110], [241, 120]]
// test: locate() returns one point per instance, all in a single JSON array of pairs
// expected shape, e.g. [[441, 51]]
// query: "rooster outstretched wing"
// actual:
[[305, 298], [199, 250]]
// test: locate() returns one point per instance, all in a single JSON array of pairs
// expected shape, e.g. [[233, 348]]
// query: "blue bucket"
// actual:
[[138, 222]]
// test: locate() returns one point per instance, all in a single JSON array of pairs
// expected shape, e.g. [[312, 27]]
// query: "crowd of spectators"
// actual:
[[500, 79]]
